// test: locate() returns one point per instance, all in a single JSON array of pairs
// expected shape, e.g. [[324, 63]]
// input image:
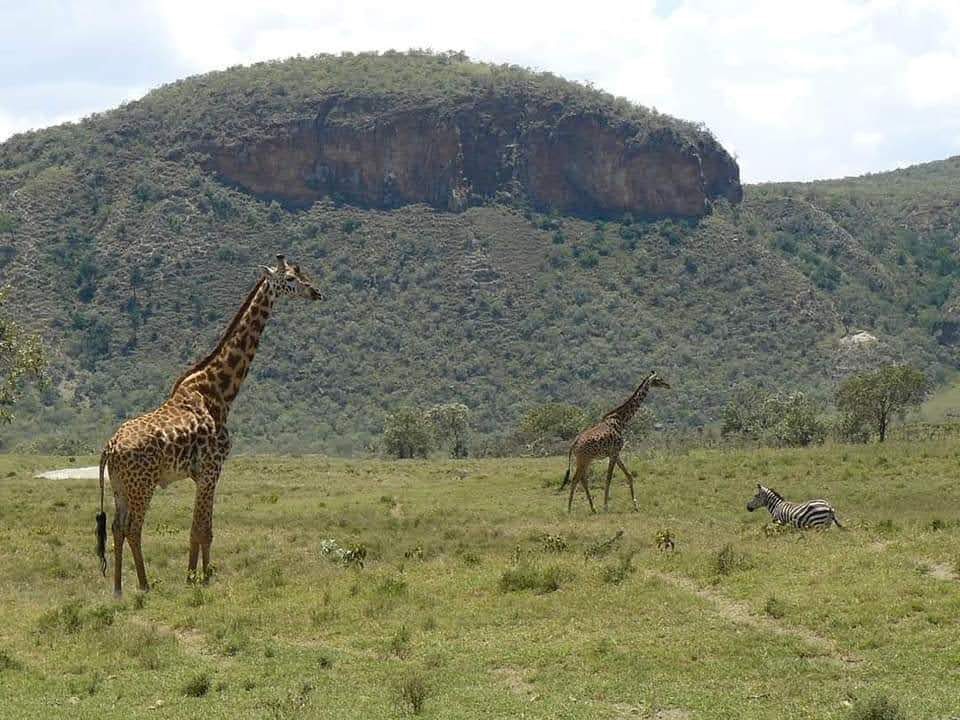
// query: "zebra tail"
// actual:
[[102, 522], [842, 527]]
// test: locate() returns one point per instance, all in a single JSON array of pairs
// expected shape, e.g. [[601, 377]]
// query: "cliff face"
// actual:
[[586, 164]]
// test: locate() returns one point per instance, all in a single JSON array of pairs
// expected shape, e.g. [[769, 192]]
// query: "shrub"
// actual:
[[790, 420], [400, 642], [616, 573], [554, 543], [412, 692]]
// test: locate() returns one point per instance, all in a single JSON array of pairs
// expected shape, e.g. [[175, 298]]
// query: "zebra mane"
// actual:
[[773, 492]]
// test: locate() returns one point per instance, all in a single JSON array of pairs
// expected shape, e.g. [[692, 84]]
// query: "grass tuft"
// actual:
[[615, 573], [727, 560], [775, 608], [8, 662], [878, 707], [197, 686], [525, 576]]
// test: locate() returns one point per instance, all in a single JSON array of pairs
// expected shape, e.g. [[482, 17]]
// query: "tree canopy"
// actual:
[[872, 399], [21, 359]]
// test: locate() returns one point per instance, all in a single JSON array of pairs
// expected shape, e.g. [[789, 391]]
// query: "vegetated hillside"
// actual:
[[130, 252]]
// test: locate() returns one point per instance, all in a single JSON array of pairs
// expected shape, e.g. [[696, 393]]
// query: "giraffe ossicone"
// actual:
[[187, 435]]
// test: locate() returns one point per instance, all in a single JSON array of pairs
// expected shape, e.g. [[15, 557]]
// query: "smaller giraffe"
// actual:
[[605, 439]]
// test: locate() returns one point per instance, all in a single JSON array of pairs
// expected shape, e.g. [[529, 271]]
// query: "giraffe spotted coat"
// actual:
[[187, 435], [605, 440]]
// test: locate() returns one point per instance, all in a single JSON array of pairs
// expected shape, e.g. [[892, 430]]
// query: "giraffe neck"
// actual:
[[623, 414], [218, 377]]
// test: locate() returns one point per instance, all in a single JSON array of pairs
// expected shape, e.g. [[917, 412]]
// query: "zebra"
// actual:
[[813, 514]]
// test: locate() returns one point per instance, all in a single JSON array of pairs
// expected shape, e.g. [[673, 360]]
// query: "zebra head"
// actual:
[[762, 498]]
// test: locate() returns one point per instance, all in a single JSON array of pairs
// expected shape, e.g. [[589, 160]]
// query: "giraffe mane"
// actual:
[[223, 340], [621, 406]]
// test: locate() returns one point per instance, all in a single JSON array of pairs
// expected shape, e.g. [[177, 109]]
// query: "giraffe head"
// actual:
[[654, 380], [763, 496], [289, 280]]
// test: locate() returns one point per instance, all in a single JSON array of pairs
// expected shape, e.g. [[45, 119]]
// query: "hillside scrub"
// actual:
[[499, 307]]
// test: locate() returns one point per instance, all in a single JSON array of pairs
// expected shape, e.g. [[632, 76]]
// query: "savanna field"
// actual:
[[478, 596]]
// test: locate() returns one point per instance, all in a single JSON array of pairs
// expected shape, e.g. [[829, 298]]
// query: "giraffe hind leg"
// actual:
[[585, 481], [573, 487], [134, 534]]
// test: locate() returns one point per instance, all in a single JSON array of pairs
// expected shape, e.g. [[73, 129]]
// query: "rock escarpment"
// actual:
[[374, 153]]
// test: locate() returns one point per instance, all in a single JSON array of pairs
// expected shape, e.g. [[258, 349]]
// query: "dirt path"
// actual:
[[943, 571], [741, 614]]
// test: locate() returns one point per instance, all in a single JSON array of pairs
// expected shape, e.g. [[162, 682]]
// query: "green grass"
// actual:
[[734, 623]]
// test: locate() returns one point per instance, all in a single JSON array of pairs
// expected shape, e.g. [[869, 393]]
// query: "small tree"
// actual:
[[795, 421], [558, 420], [451, 426], [21, 359], [407, 434], [874, 398], [743, 414]]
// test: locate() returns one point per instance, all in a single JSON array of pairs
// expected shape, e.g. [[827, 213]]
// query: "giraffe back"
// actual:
[[600, 440], [166, 444]]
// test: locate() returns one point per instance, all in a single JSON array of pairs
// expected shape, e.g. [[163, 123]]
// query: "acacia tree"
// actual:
[[21, 359], [873, 398], [450, 424], [407, 433]]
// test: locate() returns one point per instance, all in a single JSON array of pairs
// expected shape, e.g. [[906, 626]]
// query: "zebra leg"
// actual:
[[626, 472]]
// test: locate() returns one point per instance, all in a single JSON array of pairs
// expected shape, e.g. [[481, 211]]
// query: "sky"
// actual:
[[797, 91]]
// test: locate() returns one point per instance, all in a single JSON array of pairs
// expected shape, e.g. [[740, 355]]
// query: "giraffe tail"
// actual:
[[102, 522], [566, 477]]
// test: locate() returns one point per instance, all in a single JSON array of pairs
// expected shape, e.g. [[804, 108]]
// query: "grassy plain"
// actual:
[[480, 597]]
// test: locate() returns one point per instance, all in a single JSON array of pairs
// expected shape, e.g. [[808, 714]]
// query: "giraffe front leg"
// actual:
[[606, 487], [201, 532], [633, 497]]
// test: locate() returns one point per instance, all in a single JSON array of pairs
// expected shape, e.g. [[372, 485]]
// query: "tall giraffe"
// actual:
[[187, 435], [605, 439]]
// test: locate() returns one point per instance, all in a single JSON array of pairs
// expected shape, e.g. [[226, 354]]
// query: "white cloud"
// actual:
[[933, 79], [867, 139], [802, 90]]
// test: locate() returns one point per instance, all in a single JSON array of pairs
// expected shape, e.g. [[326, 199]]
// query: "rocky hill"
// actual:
[[484, 234]]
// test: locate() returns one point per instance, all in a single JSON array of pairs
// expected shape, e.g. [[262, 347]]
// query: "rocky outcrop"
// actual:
[[372, 153]]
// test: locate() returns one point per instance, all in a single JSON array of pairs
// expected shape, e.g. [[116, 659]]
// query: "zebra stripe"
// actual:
[[813, 514]]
